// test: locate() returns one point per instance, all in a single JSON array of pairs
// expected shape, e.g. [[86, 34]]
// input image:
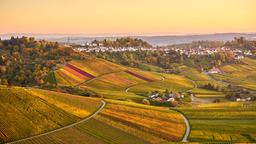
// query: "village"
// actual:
[[93, 47]]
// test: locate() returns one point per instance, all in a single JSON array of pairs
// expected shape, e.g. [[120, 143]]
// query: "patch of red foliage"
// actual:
[[80, 71], [138, 76]]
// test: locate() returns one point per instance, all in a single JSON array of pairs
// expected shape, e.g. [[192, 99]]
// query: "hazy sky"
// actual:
[[129, 17]]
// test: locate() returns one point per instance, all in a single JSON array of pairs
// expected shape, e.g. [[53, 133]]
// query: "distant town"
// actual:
[[98, 47]]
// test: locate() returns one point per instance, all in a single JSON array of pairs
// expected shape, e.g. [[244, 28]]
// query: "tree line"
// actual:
[[168, 61]]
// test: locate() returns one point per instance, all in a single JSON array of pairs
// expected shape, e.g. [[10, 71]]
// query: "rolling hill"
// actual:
[[121, 122], [242, 75], [28, 111]]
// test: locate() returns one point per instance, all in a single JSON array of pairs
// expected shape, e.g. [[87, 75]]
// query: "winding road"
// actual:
[[187, 131], [184, 139], [68, 126], [185, 136]]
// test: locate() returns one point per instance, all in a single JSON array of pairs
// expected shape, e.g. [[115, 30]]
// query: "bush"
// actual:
[[145, 102]]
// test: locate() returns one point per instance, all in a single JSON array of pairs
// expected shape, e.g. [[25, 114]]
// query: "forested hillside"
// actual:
[[25, 61]]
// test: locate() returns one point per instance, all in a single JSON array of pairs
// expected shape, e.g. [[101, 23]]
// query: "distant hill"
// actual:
[[153, 40]]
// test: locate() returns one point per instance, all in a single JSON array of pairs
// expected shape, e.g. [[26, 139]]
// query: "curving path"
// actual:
[[62, 128], [185, 136]]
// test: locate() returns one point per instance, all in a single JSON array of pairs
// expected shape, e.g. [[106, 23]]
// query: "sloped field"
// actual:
[[223, 122], [150, 125], [205, 93], [170, 81], [240, 74], [72, 75], [114, 81], [27, 112], [121, 123], [97, 67]]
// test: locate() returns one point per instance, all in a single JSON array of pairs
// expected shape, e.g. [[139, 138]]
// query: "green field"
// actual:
[[26, 112], [222, 122]]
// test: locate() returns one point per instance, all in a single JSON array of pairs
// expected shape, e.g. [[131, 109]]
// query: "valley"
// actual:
[[88, 99]]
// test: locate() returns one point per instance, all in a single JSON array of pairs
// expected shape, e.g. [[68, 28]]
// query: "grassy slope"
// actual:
[[223, 122], [240, 74], [28, 112]]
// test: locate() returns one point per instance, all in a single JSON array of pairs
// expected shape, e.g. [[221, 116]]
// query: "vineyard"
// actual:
[[151, 125], [239, 74], [170, 81], [205, 93], [114, 81], [28, 112], [224, 122], [121, 123]]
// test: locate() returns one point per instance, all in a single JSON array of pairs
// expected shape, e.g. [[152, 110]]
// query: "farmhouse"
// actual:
[[214, 70]]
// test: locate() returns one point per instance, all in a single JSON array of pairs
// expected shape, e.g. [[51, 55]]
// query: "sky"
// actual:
[[127, 17]]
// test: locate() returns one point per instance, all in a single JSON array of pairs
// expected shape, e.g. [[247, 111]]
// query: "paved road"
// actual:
[[185, 137], [84, 120]]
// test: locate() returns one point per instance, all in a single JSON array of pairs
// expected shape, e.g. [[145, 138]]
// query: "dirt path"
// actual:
[[84, 120]]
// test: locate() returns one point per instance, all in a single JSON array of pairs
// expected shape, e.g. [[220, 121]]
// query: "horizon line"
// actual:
[[122, 34]]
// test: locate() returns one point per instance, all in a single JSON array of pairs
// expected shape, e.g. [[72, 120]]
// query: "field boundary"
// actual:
[[62, 128], [187, 131]]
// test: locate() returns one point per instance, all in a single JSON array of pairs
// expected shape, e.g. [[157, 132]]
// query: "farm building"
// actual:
[[214, 70]]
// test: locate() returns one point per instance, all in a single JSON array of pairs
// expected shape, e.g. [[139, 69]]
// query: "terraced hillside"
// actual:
[[104, 78], [121, 123], [173, 82], [27, 111], [239, 74], [222, 122]]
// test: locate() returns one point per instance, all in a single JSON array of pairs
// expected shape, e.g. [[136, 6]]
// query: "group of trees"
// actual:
[[235, 92], [167, 60], [197, 44], [123, 42], [241, 43], [25, 61], [212, 86]]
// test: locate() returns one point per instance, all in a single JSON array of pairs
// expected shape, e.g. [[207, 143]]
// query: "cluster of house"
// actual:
[[239, 54], [93, 47], [112, 49], [167, 97], [242, 98]]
